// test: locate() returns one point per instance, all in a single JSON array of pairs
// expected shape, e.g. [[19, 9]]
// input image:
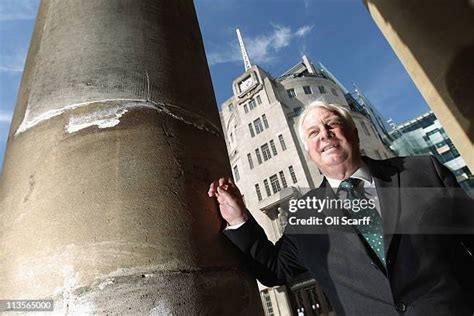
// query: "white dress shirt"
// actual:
[[363, 173]]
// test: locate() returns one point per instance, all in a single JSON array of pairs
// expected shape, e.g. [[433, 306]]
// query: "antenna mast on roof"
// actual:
[[243, 50]]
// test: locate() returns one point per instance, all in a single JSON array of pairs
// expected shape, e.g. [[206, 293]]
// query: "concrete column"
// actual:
[[113, 144], [434, 40]]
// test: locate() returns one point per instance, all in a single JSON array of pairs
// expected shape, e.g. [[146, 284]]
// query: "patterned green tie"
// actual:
[[373, 233]]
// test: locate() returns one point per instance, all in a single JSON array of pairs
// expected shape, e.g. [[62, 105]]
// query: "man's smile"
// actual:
[[330, 148]]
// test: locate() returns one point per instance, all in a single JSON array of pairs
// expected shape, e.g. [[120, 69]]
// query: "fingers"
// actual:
[[233, 191], [222, 190], [223, 196], [212, 189], [221, 182], [230, 194], [228, 198]]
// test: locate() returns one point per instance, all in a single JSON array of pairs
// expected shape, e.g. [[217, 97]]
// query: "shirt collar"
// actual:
[[363, 173]]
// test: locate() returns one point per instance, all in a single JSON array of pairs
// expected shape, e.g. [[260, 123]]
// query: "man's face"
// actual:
[[330, 140]]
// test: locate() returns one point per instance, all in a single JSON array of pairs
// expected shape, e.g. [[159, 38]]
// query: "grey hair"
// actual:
[[339, 110]]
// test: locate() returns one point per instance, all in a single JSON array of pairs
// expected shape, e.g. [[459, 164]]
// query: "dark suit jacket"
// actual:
[[419, 279]]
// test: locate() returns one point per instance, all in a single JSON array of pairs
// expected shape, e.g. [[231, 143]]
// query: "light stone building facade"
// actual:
[[269, 163]]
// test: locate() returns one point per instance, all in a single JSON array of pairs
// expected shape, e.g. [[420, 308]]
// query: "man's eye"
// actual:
[[335, 124], [313, 133]]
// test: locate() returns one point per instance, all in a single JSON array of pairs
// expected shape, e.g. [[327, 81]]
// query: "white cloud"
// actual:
[[12, 10], [13, 62], [229, 54], [281, 37], [5, 117], [304, 30], [261, 48]]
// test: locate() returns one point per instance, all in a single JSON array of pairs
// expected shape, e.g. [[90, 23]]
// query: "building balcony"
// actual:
[[271, 203]]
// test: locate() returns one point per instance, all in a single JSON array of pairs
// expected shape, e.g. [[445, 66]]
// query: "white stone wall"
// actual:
[[303, 99], [370, 143]]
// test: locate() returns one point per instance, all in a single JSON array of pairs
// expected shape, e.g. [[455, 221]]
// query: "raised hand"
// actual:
[[231, 204]]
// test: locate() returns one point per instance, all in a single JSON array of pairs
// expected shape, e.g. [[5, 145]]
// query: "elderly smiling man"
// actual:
[[371, 269]]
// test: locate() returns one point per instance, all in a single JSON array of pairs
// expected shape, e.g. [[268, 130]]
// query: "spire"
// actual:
[[243, 50], [308, 65]]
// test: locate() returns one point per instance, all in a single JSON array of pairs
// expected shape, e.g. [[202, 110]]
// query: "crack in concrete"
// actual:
[[102, 118], [110, 120], [71, 289], [147, 86], [31, 186]]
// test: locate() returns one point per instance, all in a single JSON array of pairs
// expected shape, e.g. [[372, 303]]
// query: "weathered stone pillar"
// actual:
[[434, 40], [113, 144]]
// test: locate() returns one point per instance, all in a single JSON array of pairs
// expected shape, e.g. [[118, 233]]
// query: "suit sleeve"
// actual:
[[444, 174], [463, 214], [272, 264], [463, 249]]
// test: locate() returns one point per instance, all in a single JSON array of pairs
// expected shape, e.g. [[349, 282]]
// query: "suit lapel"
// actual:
[[387, 183]]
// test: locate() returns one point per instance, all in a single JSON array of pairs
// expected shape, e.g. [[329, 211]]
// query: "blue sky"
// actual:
[[339, 33]]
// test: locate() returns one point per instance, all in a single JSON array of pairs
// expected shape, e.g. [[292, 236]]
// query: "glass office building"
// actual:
[[424, 135]]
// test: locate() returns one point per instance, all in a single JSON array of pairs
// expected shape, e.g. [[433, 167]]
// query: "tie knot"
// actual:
[[349, 184]]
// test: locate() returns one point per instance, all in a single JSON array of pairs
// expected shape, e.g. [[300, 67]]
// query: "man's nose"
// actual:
[[324, 132]]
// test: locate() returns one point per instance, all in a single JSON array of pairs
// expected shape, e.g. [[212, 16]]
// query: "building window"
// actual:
[[268, 302], [258, 125], [275, 183], [291, 93], [322, 89], [259, 100], [273, 147], [334, 92], [259, 158], [246, 108], [251, 130], [307, 90], [292, 174], [282, 142], [266, 152], [252, 104], [265, 122], [236, 173], [283, 179], [364, 127], [267, 187], [259, 194], [373, 129], [249, 157]]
